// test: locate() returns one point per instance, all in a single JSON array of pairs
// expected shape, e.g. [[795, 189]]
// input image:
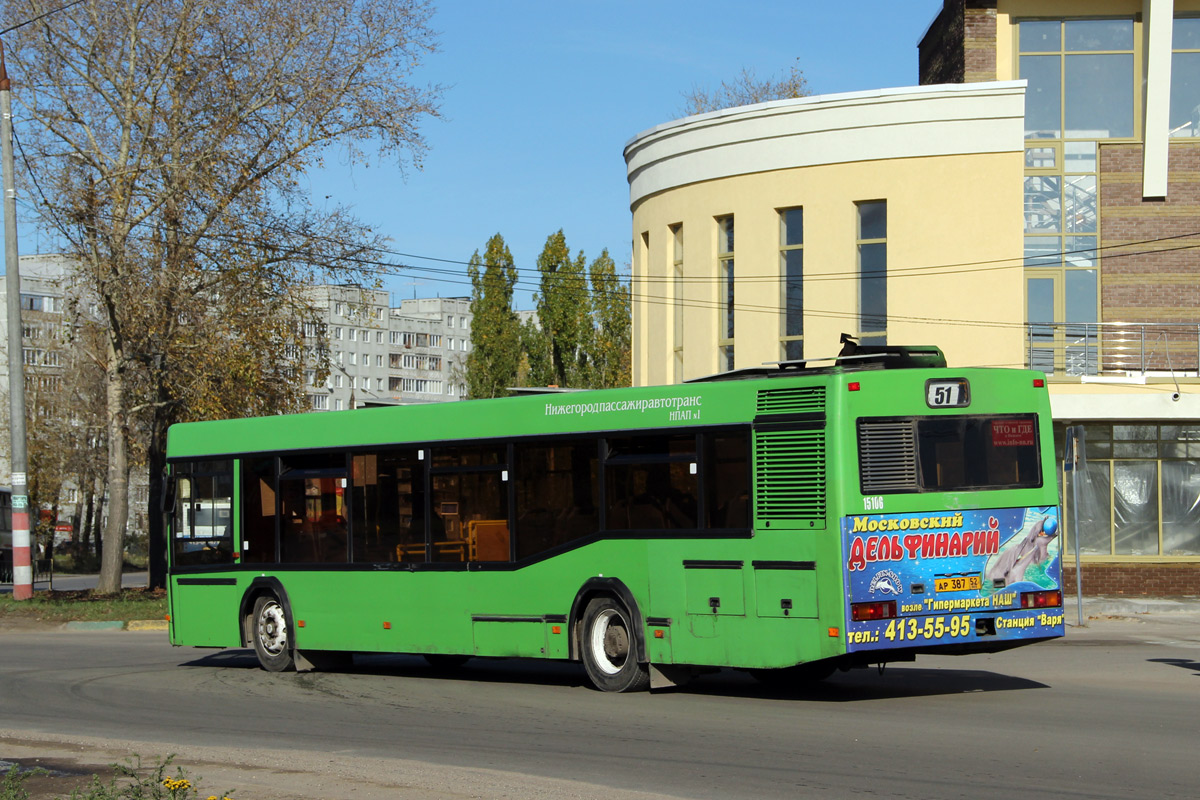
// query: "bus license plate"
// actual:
[[961, 583]]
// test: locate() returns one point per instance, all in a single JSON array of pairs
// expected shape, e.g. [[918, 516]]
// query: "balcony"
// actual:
[[1114, 349]]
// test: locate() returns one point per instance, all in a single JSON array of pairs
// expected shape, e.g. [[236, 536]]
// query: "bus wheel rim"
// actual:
[[272, 629], [609, 642]]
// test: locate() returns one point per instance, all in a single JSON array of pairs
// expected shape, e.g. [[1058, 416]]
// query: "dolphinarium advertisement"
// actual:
[[952, 577]]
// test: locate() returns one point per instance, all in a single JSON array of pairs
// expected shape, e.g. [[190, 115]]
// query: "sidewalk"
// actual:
[[1128, 606]]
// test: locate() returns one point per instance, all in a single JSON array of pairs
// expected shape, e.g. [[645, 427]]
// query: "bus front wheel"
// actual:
[[610, 649], [272, 640]]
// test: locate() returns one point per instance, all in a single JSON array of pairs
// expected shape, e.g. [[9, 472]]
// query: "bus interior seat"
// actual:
[[488, 540]]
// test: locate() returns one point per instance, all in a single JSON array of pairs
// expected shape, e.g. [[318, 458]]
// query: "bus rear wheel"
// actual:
[[610, 649], [272, 640]]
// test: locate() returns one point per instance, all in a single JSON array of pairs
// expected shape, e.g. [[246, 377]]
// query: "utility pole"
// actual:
[[22, 562]]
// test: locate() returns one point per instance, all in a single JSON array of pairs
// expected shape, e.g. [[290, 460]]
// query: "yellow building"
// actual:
[[1036, 202]]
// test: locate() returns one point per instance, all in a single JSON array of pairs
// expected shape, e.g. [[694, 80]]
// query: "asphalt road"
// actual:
[[1110, 712]]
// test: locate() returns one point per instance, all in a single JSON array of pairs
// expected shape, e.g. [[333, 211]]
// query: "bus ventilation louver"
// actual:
[[800, 400], [790, 468], [887, 456]]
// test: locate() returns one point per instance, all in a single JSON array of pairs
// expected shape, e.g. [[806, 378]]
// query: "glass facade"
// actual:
[[1081, 91], [1140, 492]]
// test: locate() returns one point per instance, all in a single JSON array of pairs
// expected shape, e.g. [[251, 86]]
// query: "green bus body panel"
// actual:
[[501, 418], [779, 591]]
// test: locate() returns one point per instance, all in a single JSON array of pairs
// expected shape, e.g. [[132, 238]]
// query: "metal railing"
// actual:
[[1113, 348]]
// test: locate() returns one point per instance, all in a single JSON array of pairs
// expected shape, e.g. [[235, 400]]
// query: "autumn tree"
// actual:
[[169, 138], [746, 89], [495, 356]]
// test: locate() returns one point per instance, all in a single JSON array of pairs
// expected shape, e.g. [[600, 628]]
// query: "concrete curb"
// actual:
[[146, 625], [81, 625], [117, 625]]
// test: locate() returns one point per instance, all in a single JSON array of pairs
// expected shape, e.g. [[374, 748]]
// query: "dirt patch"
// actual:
[[265, 774]]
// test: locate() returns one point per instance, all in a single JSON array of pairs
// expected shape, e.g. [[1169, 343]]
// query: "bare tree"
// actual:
[[169, 137], [746, 89]]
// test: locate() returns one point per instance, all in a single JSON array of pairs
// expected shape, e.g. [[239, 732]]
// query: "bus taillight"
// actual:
[[1041, 599], [861, 612]]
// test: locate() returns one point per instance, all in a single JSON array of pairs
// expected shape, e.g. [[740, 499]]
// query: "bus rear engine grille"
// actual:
[[887, 456], [798, 400], [790, 468]]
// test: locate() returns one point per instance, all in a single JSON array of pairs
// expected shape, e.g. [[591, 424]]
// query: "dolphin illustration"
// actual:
[[1033, 549]]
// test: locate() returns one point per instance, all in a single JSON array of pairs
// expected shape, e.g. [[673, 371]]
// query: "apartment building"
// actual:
[[379, 355]]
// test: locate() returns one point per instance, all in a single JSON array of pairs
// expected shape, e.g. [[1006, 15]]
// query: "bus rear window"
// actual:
[[936, 454]]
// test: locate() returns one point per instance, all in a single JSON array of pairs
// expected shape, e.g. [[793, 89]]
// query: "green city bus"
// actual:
[[788, 520]]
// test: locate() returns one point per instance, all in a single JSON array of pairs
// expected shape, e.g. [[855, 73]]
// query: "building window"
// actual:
[[320, 402], [1185, 77], [872, 272], [791, 283], [725, 283], [339, 309], [677, 298], [38, 302]]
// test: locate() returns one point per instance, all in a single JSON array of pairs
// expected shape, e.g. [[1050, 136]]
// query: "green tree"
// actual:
[[495, 355], [170, 138], [537, 365], [746, 89], [612, 321], [562, 310]]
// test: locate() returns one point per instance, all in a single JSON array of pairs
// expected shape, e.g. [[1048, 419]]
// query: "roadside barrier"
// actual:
[[43, 570]]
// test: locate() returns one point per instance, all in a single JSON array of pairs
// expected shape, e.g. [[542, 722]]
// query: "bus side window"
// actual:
[[556, 487], [727, 480], [202, 531], [258, 511], [470, 504], [651, 483], [312, 507], [389, 507]]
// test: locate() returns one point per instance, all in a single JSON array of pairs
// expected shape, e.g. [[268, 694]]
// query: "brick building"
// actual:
[[1112, 255]]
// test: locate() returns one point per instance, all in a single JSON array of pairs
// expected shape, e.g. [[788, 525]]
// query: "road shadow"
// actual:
[[1182, 663], [864, 685], [857, 685]]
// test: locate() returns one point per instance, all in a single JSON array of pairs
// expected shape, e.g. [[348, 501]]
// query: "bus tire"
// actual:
[[269, 631], [609, 648]]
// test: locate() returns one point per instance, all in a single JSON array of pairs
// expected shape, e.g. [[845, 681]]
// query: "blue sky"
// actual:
[[541, 98]]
